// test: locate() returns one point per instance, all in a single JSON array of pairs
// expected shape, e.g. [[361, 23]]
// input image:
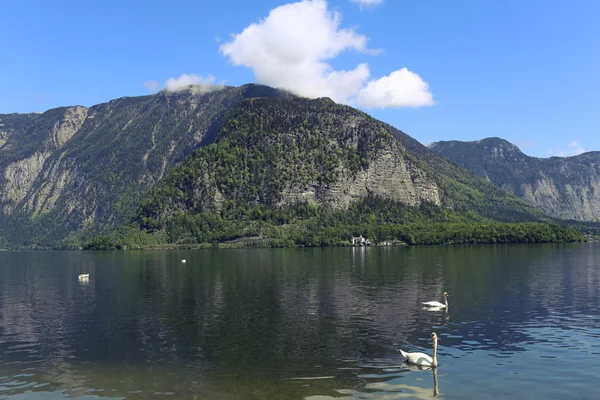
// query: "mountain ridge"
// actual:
[[73, 172], [73, 168], [562, 187]]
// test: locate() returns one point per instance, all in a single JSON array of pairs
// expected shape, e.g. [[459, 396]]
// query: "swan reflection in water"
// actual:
[[389, 390], [408, 391], [434, 309]]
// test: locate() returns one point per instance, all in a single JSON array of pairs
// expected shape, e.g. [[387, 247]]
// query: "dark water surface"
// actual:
[[523, 323]]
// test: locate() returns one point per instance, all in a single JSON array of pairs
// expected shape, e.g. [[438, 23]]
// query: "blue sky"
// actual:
[[526, 71]]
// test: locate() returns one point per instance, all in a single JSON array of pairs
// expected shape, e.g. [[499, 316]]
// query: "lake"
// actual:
[[523, 323]]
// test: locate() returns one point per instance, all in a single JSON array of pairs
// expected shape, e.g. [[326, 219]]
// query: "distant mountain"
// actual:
[[562, 187], [74, 171]]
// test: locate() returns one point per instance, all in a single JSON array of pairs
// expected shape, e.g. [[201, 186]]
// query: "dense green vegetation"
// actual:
[[378, 219], [589, 228]]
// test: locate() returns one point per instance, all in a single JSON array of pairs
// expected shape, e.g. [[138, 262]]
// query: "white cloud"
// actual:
[[152, 86], [364, 3], [574, 148], [401, 88], [196, 83], [291, 47], [185, 81]]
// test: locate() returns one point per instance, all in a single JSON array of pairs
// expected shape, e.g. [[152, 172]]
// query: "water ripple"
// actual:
[[306, 323]]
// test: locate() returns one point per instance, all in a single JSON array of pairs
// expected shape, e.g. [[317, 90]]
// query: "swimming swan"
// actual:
[[437, 304], [84, 276], [422, 358]]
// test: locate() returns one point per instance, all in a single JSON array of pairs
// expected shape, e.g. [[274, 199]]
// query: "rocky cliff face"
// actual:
[[563, 187], [73, 168], [388, 175], [57, 128]]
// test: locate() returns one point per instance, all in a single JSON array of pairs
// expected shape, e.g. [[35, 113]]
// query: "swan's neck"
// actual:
[[446, 301], [435, 363]]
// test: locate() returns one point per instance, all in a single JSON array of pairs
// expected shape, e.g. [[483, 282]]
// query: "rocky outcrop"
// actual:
[[389, 175], [20, 175], [563, 187]]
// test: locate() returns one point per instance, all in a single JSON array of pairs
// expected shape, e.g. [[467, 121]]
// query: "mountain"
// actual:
[[75, 169], [283, 151], [191, 159], [562, 187], [294, 171]]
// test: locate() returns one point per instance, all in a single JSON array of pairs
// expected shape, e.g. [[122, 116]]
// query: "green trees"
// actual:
[[306, 225]]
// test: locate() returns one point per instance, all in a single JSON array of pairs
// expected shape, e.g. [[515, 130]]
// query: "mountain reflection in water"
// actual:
[[308, 323]]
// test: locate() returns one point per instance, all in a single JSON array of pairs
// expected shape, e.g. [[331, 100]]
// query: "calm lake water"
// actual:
[[523, 323]]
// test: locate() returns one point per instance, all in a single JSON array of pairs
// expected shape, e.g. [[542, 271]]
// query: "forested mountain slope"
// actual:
[[294, 171]]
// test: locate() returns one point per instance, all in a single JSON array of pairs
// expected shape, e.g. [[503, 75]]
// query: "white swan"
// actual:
[[183, 260], [437, 304], [83, 277], [423, 359]]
